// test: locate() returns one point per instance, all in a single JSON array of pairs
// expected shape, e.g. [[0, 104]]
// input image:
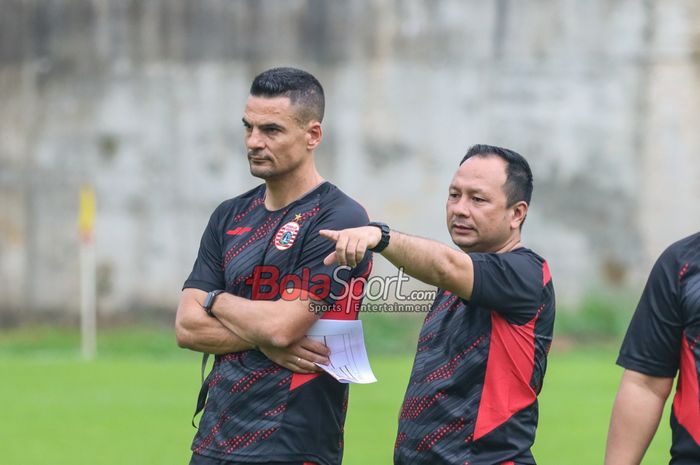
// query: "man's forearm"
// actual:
[[431, 262], [635, 418], [196, 330], [215, 339], [276, 323]]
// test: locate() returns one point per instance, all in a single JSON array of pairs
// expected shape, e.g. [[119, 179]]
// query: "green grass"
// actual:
[[134, 403], [575, 407], [106, 412]]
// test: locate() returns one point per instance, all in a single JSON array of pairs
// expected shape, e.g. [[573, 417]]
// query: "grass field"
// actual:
[[133, 405]]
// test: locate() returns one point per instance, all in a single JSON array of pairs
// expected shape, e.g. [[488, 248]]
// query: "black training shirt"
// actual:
[[662, 339], [472, 395], [258, 411]]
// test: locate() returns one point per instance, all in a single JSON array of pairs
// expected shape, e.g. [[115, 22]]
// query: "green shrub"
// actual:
[[600, 317]]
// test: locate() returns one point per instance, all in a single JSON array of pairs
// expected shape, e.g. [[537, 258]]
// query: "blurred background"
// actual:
[[142, 100]]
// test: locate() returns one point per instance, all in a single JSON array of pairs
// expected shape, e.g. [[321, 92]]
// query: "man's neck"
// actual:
[[282, 191], [512, 243]]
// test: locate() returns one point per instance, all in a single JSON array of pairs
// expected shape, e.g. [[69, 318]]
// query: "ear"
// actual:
[[519, 212], [314, 134]]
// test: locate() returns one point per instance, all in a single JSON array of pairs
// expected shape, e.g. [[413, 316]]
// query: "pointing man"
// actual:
[[482, 352]]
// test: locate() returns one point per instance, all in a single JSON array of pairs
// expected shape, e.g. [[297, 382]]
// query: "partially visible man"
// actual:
[[482, 351], [662, 340], [255, 283]]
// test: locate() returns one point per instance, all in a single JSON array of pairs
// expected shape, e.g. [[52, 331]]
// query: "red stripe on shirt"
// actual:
[[509, 369], [546, 276], [685, 403], [350, 307]]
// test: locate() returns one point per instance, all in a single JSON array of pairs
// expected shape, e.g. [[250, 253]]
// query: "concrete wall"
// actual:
[[143, 99]]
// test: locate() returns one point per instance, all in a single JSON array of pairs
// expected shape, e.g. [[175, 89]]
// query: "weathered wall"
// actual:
[[143, 99]]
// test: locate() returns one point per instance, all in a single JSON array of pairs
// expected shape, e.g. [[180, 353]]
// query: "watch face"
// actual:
[[209, 301]]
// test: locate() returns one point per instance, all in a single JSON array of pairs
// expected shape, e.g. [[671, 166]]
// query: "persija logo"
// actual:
[[268, 283]]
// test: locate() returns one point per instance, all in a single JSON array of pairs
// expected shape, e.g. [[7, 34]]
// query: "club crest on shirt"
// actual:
[[284, 238]]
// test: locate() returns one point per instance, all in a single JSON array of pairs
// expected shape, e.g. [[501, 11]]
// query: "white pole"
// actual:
[[88, 293], [88, 313]]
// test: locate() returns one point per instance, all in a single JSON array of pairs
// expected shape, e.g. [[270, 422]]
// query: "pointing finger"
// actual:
[[329, 234]]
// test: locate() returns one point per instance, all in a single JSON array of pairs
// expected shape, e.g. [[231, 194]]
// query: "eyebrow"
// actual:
[[248, 124], [470, 189], [271, 126]]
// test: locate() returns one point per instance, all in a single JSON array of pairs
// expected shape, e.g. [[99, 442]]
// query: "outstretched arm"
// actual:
[[429, 261], [635, 417]]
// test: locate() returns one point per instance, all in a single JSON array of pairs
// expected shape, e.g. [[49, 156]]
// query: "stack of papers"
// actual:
[[348, 359]]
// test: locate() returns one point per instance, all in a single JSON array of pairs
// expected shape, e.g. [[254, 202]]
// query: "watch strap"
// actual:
[[386, 236]]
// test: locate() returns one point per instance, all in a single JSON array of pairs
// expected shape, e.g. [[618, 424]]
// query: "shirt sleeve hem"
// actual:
[[476, 284], [645, 367], [201, 285]]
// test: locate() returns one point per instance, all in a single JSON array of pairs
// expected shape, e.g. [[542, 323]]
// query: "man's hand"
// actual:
[[351, 244], [300, 356]]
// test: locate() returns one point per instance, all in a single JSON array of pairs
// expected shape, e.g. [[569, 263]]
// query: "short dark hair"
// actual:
[[518, 185], [302, 89]]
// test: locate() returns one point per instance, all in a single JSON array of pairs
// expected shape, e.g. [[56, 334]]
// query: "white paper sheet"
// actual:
[[348, 359]]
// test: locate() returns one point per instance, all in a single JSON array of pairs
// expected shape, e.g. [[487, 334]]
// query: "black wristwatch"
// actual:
[[384, 228], [209, 301]]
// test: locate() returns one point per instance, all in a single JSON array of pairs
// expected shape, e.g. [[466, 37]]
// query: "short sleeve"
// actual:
[[331, 282], [510, 283], [208, 273], [653, 340]]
